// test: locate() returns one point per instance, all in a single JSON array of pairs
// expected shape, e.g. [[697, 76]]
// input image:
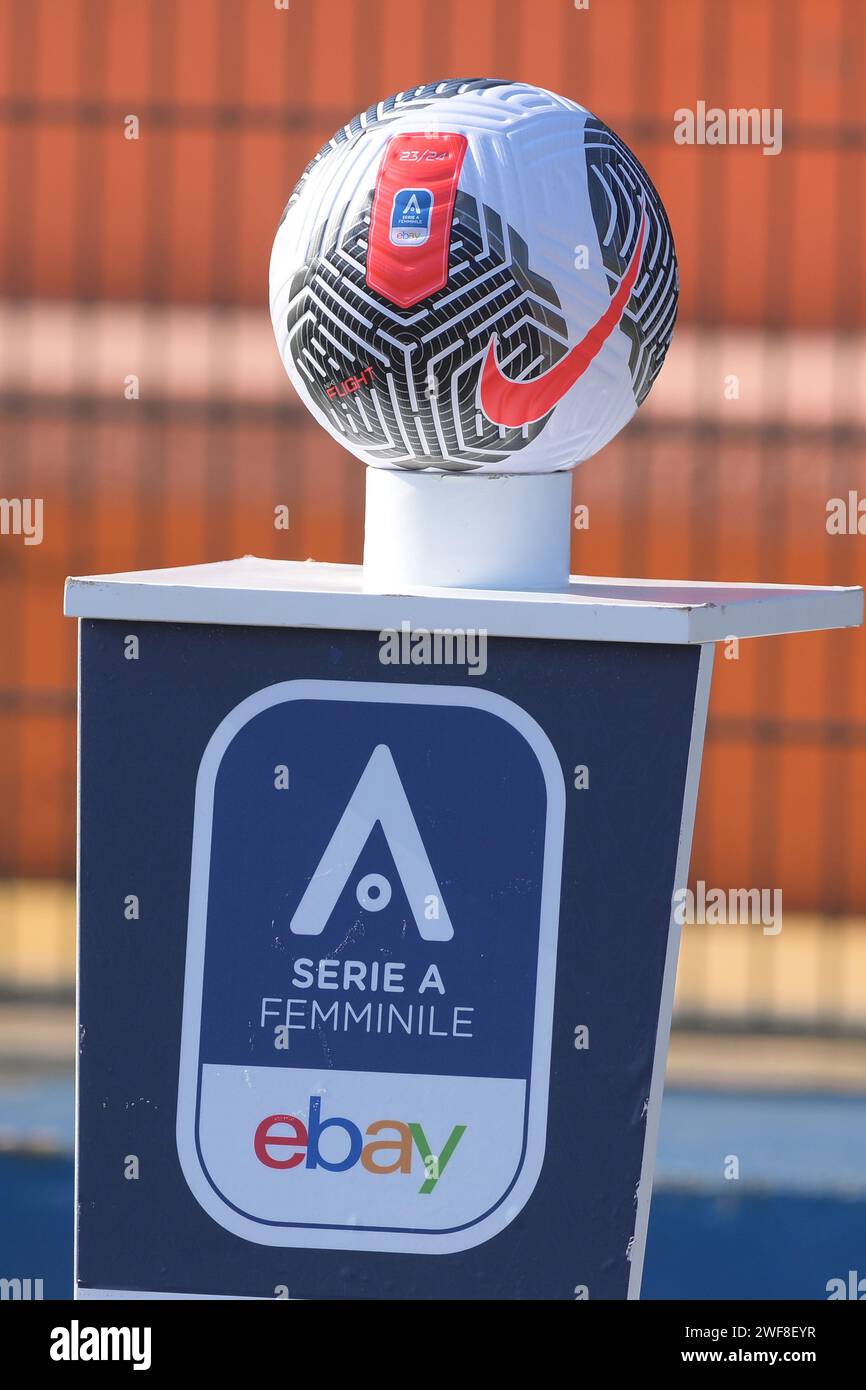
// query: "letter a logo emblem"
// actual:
[[317, 919], [378, 797]]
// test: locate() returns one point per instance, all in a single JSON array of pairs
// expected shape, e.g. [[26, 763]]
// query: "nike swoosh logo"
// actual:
[[515, 403]]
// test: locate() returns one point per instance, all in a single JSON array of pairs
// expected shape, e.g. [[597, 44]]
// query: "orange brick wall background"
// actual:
[[234, 97], [149, 257]]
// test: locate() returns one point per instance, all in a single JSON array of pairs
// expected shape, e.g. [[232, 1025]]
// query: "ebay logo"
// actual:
[[285, 1141]]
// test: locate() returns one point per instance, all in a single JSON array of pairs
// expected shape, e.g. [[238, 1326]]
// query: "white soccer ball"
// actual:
[[474, 275]]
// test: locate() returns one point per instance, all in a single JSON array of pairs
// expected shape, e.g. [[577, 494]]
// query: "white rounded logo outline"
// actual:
[[301, 1237]]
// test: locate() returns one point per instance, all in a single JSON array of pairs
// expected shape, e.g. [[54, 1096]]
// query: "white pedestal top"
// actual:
[[467, 531], [291, 593]]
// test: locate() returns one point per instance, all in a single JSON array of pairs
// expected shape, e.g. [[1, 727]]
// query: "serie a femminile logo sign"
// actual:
[[370, 965]]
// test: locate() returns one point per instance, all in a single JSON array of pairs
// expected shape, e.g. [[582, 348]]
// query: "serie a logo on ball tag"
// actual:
[[371, 954], [410, 216]]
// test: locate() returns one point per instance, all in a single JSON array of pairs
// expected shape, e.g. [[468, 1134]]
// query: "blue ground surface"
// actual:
[[795, 1218]]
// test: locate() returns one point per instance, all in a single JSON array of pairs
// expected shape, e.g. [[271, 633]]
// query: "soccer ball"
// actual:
[[474, 275]]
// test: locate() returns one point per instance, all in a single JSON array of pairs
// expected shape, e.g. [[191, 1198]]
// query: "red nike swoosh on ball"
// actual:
[[515, 403]]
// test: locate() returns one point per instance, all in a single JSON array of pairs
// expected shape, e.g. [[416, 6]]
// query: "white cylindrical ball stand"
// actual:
[[466, 530]]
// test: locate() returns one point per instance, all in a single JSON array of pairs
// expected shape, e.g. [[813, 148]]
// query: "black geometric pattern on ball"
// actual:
[[616, 181], [417, 406]]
